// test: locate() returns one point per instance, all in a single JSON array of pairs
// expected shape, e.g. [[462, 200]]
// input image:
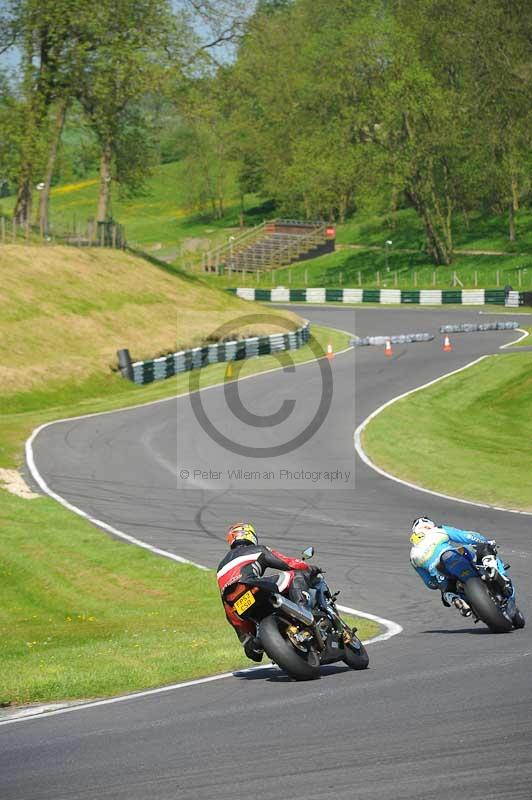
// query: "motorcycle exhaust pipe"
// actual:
[[293, 610]]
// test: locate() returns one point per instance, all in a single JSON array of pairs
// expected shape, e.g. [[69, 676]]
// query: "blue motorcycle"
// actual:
[[482, 583]]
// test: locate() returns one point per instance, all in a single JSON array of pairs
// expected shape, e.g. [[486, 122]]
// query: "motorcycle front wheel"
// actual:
[[299, 665], [356, 658], [484, 606]]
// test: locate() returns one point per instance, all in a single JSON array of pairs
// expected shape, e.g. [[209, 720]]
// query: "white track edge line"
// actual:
[[516, 341], [392, 630], [366, 459]]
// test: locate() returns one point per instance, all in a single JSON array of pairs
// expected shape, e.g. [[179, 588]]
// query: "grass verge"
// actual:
[[472, 429], [84, 616]]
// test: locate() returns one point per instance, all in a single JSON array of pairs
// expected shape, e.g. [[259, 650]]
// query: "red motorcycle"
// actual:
[[300, 637]]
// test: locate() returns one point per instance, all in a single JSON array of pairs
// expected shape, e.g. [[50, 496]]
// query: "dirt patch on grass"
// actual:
[[13, 481]]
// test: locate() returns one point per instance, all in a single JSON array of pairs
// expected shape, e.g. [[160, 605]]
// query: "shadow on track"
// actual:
[[274, 674], [473, 631]]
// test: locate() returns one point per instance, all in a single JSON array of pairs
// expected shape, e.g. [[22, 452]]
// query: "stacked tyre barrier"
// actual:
[[402, 338], [159, 368], [433, 297], [472, 327]]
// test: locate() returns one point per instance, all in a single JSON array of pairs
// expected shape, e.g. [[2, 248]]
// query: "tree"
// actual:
[[128, 63], [54, 38], [301, 117], [9, 144], [482, 53], [498, 67]]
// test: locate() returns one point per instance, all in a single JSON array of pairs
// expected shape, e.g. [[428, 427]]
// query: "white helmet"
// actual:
[[420, 527]]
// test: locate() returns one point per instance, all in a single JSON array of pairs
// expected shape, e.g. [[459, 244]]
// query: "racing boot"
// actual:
[[253, 649], [450, 598]]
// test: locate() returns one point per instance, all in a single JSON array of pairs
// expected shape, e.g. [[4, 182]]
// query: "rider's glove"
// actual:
[[315, 571]]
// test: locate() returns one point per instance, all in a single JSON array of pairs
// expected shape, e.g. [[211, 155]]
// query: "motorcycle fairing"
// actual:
[[458, 564]]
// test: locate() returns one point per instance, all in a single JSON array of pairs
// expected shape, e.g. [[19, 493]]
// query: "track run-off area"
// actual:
[[445, 703]]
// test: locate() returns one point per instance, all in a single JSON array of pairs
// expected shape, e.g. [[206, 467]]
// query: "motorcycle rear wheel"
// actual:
[[484, 606], [282, 652]]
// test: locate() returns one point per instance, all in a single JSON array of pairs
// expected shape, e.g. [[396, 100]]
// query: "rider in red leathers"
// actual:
[[244, 565]]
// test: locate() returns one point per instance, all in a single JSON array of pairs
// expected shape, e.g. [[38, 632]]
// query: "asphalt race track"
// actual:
[[445, 709]]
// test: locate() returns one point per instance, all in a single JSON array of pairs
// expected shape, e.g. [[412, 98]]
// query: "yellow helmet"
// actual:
[[241, 533], [420, 527]]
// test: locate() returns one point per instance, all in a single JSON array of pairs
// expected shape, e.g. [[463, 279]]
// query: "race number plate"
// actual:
[[244, 602]]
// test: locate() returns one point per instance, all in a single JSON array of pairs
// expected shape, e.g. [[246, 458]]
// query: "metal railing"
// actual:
[[264, 247], [213, 259], [90, 234]]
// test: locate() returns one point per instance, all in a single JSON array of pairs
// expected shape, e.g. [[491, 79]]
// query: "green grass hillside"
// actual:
[[65, 311], [484, 257], [374, 268], [162, 219]]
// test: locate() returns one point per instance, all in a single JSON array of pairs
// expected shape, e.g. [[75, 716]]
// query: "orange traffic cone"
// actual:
[[388, 348], [447, 346], [330, 353]]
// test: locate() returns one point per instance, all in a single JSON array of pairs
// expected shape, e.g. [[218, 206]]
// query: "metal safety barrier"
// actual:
[[155, 369], [472, 327], [401, 338]]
